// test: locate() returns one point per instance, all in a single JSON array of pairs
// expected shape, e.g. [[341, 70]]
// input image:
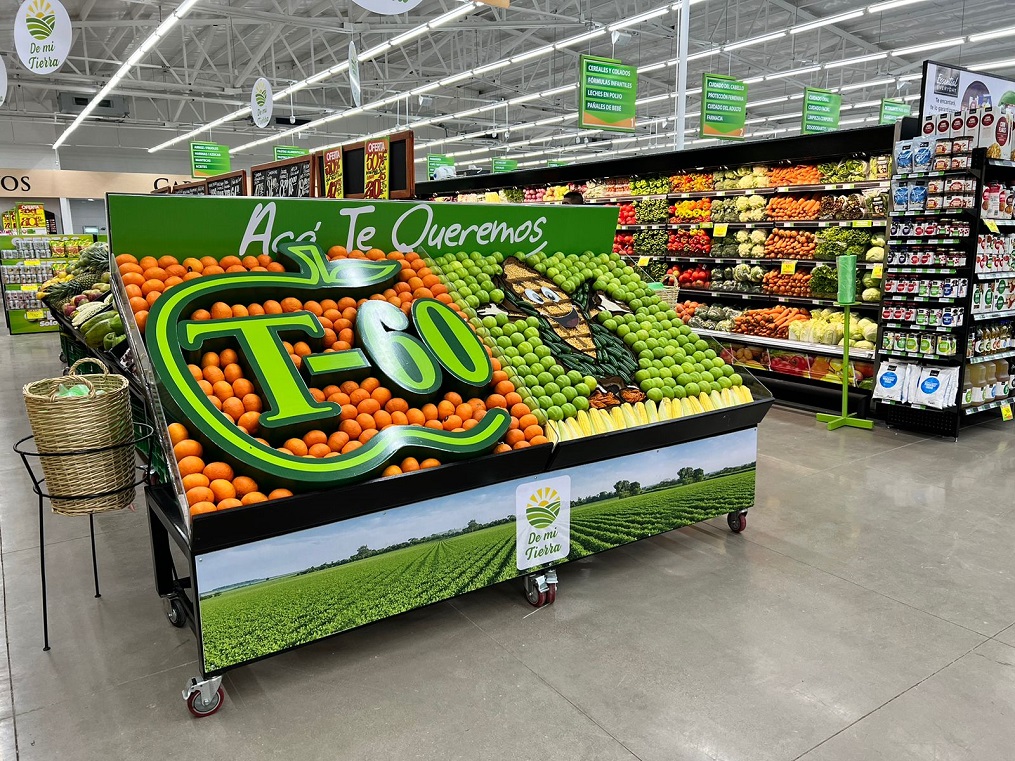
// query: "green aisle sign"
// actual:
[[434, 161], [893, 110], [289, 152], [608, 93], [724, 107], [821, 111], [504, 165], [208, 159]]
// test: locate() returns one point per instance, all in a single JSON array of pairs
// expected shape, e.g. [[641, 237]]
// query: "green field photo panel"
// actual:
[[287, 591]]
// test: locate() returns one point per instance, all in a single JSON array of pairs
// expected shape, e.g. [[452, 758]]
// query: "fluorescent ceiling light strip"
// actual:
[[952, 42], [864, 85], [855, 61], [983, 36], [792, 73], [817, 23], [891, 5], [147, 44], [646, 16], [993, 65], [339, 68], [752, 41], [532, 54]]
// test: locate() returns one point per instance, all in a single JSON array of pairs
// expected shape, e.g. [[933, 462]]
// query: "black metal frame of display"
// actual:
[[787, 149]]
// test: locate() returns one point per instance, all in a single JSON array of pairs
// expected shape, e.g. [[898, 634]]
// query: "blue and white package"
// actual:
[[891, 381], [923, 155]]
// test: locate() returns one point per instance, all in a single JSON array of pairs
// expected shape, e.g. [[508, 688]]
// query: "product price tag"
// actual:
[[643, 261], [35, 314], [719, 230], [30, 287], [992, 226], [788, 268], [847, 186], [863, 223], [32, 262], [1006, 413], [879, 271]]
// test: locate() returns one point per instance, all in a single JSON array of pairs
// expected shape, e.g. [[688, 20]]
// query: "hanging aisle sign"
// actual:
[[557, 162], [377, 169], [354, 80], [893, 110], [723, 107], [289, 152], [504, 165], [42, 35], [435, 163], [208, 159], [388, 7], [821, 111], [334, 175], [3, 81], [608, 91], [261, 104]]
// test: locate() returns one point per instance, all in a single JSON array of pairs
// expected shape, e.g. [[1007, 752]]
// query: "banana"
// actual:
[[705, 402]]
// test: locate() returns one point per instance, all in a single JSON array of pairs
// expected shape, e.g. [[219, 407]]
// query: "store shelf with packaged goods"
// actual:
[[905, 213], [779, 343], [926, 242], [987, 316], [923, 357], [932, 174], [770, 224], [914, 297], [994, 275], [923, 328], [734, 192]]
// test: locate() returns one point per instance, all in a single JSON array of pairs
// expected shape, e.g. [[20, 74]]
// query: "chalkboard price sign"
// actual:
[[292, 178], [232, 184], [190, 189]]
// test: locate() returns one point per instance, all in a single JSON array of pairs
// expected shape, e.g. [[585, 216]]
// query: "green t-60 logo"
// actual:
[[433, 351]]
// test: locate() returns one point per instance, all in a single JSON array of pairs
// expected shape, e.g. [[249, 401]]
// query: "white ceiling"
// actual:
[[206, 66]]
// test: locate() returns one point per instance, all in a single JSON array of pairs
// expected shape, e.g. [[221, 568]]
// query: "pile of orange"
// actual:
[[145, 280], [221, 378], [212, 486]]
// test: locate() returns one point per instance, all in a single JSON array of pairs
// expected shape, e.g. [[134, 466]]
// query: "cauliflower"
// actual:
[[757, 251], [760, 182], [760, 171], [742, 236], [742, 203], [744, 249], [756, 202], [746, 182], [758, 236]]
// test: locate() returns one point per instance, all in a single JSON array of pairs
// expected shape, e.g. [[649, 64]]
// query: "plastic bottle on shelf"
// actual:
[[1002, 373], [977, 376], [967, 385], [989, 383]]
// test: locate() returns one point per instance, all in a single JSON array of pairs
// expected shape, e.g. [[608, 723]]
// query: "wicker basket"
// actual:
[[86, 443], [670, 294]]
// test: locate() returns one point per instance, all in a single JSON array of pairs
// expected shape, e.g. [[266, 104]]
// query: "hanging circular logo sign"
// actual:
[[3, 81], [261, 104], [42, 35], [388, 7]]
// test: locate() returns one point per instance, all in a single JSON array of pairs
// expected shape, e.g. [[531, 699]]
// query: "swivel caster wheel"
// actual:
[[204, 697], [199, 708], [536, 598], [541, 589], [737, 521], [176, 612]]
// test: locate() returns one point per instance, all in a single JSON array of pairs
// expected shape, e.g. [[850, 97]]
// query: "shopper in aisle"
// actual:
[[574, 198]]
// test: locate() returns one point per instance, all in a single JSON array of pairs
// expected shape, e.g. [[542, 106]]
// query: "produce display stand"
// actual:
[[27, 261], [796, 371], [351, 545]]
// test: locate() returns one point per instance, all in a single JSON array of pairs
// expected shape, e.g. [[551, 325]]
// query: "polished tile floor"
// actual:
[[867, 613]]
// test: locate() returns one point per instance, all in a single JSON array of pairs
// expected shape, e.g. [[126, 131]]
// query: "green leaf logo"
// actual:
[[41, 21], [543, 508], [260, 96]]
